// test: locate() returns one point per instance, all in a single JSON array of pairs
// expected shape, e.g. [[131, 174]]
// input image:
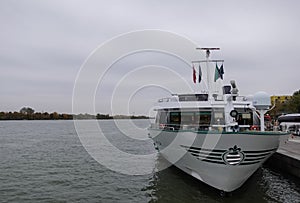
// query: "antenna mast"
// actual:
[[207, 50]]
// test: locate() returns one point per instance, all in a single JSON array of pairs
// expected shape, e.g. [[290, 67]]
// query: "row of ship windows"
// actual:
[[200, 118]]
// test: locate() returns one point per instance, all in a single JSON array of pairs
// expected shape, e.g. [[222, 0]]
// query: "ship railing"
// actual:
[[196, 127], [168, 99], [164, 100], [175, 127], [235, 128]]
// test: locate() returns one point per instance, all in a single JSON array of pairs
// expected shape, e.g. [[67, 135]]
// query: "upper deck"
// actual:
[[182, 101]]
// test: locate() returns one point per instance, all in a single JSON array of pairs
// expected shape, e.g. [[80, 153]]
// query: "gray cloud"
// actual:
[[44, 43]]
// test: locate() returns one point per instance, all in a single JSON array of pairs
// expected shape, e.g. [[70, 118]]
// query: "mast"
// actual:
[[208, 75]]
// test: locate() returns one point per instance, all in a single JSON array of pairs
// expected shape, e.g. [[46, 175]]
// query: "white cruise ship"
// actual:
[[214, 136]]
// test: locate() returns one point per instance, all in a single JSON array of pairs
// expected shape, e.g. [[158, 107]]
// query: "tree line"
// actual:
[[290, 106], [28, 113]]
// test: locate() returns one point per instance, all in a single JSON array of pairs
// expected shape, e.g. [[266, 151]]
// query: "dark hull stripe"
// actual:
[[220, 161], [261, 151], [203, 149], [247, 159], [204, 153], [215, 155], [222, 151], [206, 157], [257, 155], [211, 161]]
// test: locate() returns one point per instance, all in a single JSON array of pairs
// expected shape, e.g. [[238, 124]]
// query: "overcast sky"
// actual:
[[44, 43]]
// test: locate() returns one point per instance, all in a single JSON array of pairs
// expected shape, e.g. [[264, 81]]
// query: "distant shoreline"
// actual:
[[4, 116]]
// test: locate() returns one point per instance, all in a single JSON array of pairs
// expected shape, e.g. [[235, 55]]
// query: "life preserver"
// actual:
[[162, 126], [234, 113], [254, 127]]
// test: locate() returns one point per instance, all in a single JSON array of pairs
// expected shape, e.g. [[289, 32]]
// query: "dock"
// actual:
[[287, 157]]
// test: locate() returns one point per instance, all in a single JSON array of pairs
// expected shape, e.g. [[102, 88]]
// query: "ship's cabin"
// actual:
[[201, 113], [200, 119]]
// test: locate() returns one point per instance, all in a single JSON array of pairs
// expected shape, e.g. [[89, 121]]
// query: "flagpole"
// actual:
[[208, 74], [209, 85]]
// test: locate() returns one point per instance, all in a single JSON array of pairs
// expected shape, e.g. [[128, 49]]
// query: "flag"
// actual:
[[219, 72], [199, 74], [194, 75], [217, 75]]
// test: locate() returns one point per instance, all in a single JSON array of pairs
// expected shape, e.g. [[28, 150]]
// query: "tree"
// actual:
[[26, 110], [291, 106], [54, 116], [294, 103], [103, 116], [2, 115]]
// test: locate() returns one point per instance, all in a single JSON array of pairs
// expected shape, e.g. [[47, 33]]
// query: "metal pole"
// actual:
[[262, 120], [208, 74], [209, 86]]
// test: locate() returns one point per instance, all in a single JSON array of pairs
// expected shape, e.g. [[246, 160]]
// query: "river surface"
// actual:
[[44, 161]]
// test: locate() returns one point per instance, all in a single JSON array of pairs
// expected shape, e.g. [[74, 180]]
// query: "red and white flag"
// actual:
[[194, 74]]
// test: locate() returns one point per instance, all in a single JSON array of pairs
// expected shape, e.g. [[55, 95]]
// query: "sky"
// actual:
[[45, 43]]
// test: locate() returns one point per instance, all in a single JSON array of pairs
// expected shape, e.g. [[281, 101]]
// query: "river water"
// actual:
[[44, 161]]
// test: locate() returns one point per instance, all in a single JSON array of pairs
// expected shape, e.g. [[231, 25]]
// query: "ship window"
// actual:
[[175, 118], [193, 97], [245, 118], [205, 118], [191, 118], [187, 118], [289, 118], [218, 117], [161, 117]]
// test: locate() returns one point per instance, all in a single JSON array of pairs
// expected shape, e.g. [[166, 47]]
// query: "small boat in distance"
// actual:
[[210, 135]]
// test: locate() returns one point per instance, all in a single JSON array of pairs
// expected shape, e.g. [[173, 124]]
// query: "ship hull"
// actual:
[[222, 160]]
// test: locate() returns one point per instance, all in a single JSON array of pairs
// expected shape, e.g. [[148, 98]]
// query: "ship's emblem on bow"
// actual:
[[233, 156]]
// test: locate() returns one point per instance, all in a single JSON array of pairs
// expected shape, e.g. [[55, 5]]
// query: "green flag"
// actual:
[[217, 74]]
